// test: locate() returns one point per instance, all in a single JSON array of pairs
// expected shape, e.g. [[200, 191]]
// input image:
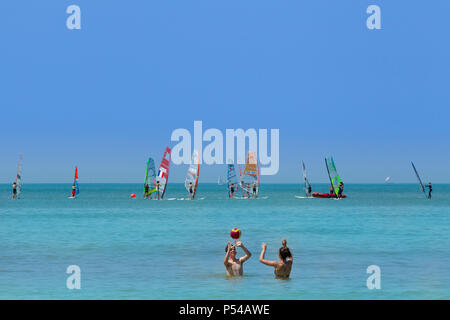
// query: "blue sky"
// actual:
[[108, 96]]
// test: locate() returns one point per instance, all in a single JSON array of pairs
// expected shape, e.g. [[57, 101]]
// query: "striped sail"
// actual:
[[250, 175], [163, 173]]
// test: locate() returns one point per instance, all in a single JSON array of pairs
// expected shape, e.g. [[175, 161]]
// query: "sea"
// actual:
[[129, 248]]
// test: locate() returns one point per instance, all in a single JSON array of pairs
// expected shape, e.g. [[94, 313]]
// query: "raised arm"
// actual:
[[227, 255], [264, 261], [247, 253]]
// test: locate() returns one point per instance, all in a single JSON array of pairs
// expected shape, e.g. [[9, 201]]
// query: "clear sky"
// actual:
[[108, 96]]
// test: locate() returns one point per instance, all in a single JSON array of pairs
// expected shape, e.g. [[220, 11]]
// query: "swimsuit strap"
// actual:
[[281, 275]]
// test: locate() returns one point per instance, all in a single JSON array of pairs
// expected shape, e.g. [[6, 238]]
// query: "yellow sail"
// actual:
[[250, 176]]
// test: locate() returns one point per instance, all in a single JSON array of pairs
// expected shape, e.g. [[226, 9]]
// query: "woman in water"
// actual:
[[282, 268]]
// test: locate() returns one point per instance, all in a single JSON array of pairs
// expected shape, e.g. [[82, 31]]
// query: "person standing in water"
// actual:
[[430, 189], [234, 266], [191, 191], [254, 190], [231, 193], [309, 190], [282, 268], [157, 188], [146, 188], [14, 190], [341, 189]]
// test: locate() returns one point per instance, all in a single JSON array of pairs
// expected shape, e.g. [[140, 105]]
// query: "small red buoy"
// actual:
[[133, 195]]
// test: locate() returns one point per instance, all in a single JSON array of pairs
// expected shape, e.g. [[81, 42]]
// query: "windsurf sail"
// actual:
[[163, 173], [420, 181], [150, 176], [250, 176], [18, 180], [232, 179], [192, 174], [307, 184], [75, 182], [333, 175]]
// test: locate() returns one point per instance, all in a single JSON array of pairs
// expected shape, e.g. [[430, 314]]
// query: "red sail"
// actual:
[[163, 173]]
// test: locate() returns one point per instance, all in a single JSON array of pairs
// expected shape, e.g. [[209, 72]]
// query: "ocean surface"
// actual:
[[140, 249]]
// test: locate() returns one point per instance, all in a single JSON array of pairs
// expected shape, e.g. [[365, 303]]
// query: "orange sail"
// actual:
[[250, 176]]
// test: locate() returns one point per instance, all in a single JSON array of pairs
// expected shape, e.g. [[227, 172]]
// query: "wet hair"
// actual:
[[284, 251]]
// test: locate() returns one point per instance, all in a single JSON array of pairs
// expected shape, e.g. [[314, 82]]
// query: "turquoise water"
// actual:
[[137, 249]]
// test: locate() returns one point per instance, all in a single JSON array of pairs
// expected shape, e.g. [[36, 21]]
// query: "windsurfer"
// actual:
[[331, 189], [146, 188], [309, 190], [231, 190], [430, 189], [74, 189], [254, 190], [157, 188], [191, 191], [341, 189], [14, 190]]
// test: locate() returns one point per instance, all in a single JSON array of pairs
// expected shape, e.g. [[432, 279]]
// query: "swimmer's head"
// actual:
[[284, 251], [232, 250]]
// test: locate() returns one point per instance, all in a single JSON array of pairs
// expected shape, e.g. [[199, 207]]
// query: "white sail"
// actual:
[[192, 174]]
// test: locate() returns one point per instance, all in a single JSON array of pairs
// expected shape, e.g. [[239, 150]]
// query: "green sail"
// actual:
[[150, 176], [333, 174]]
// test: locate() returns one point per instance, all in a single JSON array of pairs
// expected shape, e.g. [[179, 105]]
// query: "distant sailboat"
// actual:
[[307, 184], [150, 176], [250, 176], [387, 180], [163, 174], [420, 180], [335, 181], [18, 181], [232, 179], [75, 186]]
